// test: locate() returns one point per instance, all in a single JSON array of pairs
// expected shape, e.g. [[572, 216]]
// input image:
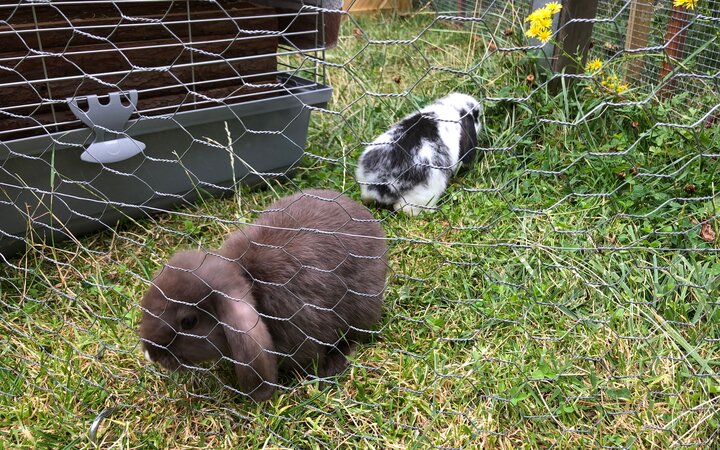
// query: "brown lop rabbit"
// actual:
[[295, 290]]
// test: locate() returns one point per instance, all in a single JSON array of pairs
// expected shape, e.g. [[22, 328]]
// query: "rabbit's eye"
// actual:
[[188, 322]]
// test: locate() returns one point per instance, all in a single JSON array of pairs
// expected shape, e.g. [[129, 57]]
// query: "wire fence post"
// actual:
[[638, 32], [675, 38], [573, 37]]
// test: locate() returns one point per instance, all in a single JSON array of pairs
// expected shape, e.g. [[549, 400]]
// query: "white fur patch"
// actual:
[[425, 195], [147, 356], [425, 153]]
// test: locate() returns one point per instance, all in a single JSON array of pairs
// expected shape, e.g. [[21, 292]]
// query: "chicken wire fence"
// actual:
[[650, 37], [688, 38], [564, 292]]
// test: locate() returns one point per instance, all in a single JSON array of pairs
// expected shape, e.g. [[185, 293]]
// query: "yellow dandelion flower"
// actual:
[[541, 21], [554, 7], [544, 35], [534, 30], [537, 15], [687, 4], [544, 13], [534, 16], [593, 65], [612, 84], [545, 22], [608, 82]]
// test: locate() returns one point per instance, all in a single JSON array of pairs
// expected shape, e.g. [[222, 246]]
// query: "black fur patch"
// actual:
[[468, 137], [400, 155]]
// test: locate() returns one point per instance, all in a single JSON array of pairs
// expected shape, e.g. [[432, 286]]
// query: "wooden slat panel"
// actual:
[[638, 32], [314, 30], [369, 6], [99, 59], [675, 37], [55, 31], [66, 53]]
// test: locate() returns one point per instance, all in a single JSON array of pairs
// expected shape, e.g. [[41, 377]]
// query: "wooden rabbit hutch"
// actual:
[[113, 109]]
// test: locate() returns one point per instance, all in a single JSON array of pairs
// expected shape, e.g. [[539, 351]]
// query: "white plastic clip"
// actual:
[[110, 118]]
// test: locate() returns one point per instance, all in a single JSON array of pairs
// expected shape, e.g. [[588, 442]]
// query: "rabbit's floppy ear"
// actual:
[[249, 342], [468, 137]]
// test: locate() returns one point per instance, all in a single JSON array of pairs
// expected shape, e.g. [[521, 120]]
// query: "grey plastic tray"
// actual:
[[45, 186]]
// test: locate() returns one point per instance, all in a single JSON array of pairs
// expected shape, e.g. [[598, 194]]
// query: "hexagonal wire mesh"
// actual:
[[563, 292], [651, 26]]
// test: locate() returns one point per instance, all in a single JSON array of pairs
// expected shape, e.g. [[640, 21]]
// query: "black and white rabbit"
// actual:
[[295, 290], [409, 166]]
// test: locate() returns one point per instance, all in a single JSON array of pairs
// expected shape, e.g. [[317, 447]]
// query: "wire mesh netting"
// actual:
[[655, 28], [561, 293]]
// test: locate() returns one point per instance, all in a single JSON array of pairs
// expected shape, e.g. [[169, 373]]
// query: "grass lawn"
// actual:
[[565, 295]]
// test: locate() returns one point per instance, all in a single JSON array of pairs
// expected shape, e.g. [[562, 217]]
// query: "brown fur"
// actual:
[[295, 290]]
